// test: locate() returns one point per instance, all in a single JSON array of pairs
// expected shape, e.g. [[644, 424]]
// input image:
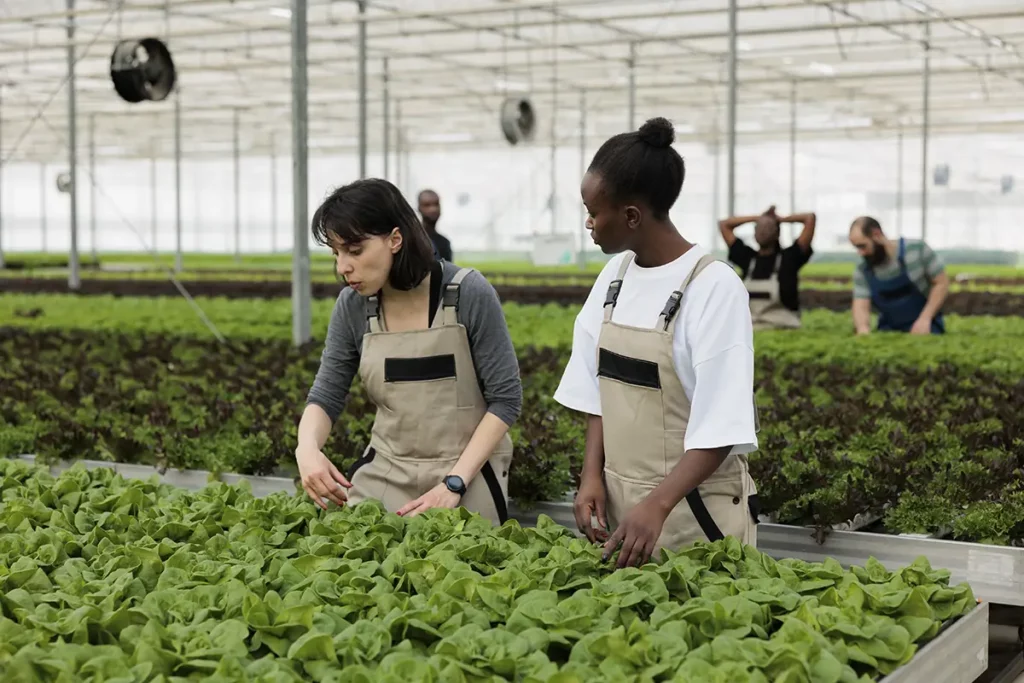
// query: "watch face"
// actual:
[[455, 483]]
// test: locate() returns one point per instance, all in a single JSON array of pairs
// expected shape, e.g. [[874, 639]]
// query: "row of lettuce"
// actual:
[[924, 432], [106, 579]]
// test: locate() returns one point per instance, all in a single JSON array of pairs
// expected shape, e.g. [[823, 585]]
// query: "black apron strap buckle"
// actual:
[[671, 307], [450, 299], [613, 293], [372, 307]]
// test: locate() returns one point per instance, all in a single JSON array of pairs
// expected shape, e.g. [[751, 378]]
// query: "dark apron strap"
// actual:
[[703, 517], [495, 488]]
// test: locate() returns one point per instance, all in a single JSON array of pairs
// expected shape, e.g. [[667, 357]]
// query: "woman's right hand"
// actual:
[[590, 502], [320, 478]]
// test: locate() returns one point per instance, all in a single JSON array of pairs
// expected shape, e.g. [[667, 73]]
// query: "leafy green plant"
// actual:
[[848, 425], [104, 579]]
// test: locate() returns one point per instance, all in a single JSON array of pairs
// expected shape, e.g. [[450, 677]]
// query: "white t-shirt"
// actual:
[[713, 347]]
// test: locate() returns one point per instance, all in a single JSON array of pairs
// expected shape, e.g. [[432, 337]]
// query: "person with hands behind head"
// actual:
[[771, 273], [431, 347], [662, 363]]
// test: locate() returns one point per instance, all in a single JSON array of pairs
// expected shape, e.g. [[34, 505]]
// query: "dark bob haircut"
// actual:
[[373, 208], [642, 165]]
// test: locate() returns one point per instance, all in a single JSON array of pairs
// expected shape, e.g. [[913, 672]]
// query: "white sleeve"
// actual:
[[722, 348], [579, 389]]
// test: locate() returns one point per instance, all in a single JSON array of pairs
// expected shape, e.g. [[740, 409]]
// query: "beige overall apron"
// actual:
[[766, 309], [429, 403], [645, 412]]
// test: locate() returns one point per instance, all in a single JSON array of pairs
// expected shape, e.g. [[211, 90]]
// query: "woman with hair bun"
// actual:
[[663, 365]]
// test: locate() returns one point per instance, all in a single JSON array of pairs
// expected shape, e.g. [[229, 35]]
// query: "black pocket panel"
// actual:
[[642, 373], [422, 369]]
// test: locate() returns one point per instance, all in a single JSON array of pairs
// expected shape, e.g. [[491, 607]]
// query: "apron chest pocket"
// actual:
[[634, 371], [425, 369]]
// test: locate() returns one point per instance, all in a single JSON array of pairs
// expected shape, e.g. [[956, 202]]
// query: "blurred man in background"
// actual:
[[771, 272], [430, 212], [904, 280]]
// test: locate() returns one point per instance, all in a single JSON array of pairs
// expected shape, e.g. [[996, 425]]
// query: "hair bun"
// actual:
[[658, 132]]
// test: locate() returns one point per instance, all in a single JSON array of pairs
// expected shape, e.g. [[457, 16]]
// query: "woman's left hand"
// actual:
[[437, 497]]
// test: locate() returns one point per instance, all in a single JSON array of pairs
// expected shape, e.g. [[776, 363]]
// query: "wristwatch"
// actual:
[[455, 484]]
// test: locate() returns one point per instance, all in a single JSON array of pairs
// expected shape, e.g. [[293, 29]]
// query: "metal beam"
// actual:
[[731, 124], [716, 186], [23, 112], [331, 36], [631, 121], [74, 276], [899, 183], [387, 121], [792, 158], [237, 171], [178, 265], [2, 264], [153, 213], [42, 205], [92, 185], [925, 124], [273, 193], [582, 257], [362, 89], [399, 176], [143, 8], [554, 129], [302, 286]]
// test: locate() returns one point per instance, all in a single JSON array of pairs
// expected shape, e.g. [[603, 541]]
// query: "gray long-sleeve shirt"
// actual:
[[480, 312]]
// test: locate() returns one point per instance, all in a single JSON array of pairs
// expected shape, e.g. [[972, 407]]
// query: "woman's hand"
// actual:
[[638, 534], [438, 497], [320, 478]]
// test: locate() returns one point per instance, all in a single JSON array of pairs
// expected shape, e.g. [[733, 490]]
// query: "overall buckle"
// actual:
[[613, 293], [671, 307], [372, 307], [450, 299]]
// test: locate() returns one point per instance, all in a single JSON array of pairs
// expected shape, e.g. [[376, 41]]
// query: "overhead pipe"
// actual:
[[638, 16]]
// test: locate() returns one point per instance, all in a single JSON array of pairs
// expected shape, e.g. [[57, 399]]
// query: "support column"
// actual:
[[792, 160], [362, 88], [74, 276], [730, 190], [582, 258], [153, 212], [899, 183], [273, 193], [238, 186], [42, 205], [553, 181], [387, 122], [2, 264], [178, 265], [716, 185], [925, 128], [632, 87], [399, 175], [302, 288], [92, 185]]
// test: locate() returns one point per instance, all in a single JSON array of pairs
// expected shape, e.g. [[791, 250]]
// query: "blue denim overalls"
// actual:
[[899, 302]]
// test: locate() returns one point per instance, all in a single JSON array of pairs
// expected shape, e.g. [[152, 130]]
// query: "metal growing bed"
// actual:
[[959, 654], [996, 573]]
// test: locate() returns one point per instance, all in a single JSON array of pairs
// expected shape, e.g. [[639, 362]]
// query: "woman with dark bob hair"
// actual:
[[432, 350]]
